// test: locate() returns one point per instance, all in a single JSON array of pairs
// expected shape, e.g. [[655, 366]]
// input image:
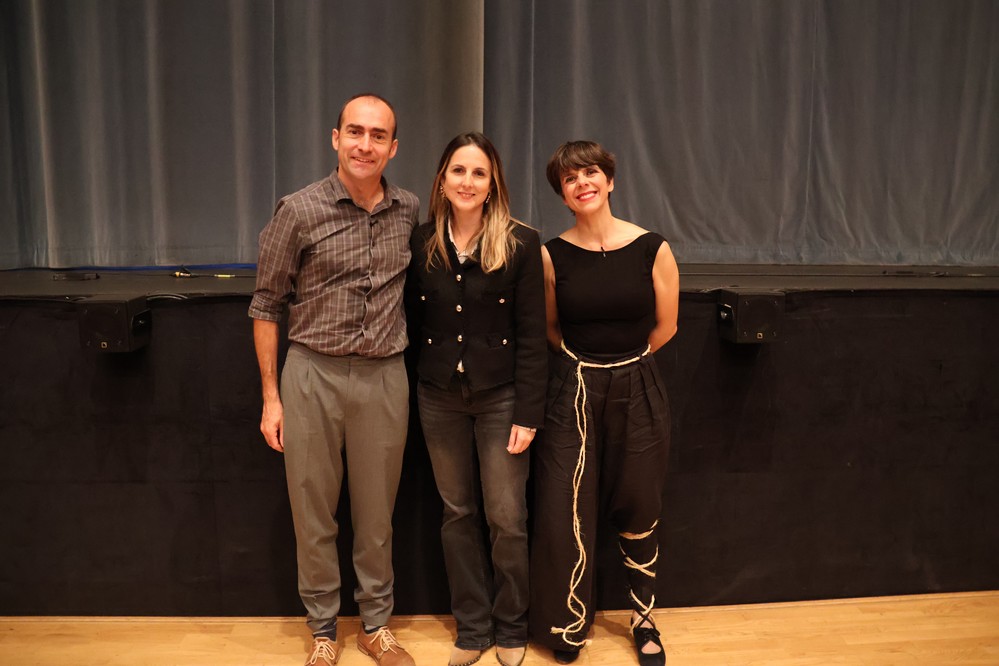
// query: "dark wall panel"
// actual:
[[854, 456]]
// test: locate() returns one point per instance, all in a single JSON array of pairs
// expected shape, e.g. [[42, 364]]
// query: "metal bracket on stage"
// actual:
[[114, 323], [749, 316]]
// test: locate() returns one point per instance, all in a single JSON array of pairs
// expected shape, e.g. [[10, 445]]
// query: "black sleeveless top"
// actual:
[[606, 300]]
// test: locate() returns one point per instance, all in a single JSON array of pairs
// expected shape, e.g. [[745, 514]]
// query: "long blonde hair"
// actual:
[[496, 240]]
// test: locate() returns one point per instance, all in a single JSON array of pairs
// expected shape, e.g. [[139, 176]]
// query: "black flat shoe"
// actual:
[[566, 656], [644, 636]]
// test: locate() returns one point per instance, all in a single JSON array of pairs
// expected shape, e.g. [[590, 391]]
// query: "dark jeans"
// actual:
[[481, 484]]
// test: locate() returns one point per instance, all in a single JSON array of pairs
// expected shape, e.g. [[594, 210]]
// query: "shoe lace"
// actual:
[[386, 641], [323, 648]]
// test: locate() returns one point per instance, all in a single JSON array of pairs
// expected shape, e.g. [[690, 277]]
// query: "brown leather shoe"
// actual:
[[383, 648], [325, 652]]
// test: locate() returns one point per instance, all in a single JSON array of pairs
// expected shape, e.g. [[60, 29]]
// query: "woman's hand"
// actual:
[[520, 439]]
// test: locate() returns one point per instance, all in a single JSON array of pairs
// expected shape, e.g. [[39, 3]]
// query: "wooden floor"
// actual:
[[927, 630]]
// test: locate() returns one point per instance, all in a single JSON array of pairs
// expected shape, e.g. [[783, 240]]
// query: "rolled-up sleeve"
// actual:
[[277, 265]]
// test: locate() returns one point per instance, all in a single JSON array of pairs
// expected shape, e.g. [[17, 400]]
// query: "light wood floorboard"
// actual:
[[942, 629]]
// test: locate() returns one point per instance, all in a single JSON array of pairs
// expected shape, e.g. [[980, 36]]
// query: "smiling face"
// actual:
[[467, 179], [586, 190], [364, 142]]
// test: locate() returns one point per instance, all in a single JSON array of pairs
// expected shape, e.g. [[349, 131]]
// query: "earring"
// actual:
[[441, 190], [488, 197]]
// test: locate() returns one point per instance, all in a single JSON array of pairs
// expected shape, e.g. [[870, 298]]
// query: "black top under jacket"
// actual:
[[494, 323]]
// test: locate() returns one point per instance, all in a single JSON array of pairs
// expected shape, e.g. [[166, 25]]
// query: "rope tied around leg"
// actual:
[[633, 536], [632, 564], [643, 610], [575, 605]]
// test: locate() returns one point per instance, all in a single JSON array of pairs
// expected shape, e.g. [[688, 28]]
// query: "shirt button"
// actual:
[[502, 300], [457, 308], [460, 338], [504, 341]]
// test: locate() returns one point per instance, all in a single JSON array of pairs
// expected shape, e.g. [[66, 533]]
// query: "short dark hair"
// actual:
[[395, 122], [574, 155]]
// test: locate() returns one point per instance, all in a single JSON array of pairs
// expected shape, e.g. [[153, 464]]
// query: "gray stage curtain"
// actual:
[[767, 131], [772, 131], [163, 132]]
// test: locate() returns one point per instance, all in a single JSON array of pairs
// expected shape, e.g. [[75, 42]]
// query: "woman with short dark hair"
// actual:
[[612, 293]]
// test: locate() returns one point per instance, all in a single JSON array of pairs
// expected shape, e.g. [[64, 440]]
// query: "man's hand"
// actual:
[[272, 425], [265, 341]]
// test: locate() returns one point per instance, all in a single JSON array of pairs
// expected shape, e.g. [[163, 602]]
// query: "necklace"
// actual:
[[588, 244], [469, 247], [463, 251]]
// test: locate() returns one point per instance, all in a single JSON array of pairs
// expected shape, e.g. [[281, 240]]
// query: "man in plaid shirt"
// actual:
[[334, 257]]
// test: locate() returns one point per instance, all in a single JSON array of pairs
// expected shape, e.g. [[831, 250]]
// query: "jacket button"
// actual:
[[458, 277], [460, 338], [423, 298], [504, 341], [457, 308], [502, 300], [429, 341]]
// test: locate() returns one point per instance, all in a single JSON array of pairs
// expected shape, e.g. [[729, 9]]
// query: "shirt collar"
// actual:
[[340, 193]]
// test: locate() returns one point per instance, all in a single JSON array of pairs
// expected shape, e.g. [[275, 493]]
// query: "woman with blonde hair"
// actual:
[[477, 296]]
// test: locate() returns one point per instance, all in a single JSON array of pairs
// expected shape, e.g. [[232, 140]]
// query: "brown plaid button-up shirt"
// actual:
[[339, 269]]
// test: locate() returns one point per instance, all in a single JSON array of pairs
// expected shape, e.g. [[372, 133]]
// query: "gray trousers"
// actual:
[[337, 409]]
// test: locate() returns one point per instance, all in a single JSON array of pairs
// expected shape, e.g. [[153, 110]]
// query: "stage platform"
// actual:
[[852, 453], [694, 278]]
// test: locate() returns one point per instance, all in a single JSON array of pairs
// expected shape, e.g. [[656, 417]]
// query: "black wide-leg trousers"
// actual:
[[622, 473]]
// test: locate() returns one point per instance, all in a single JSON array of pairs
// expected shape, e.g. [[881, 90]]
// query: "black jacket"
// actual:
[[493, 322]]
